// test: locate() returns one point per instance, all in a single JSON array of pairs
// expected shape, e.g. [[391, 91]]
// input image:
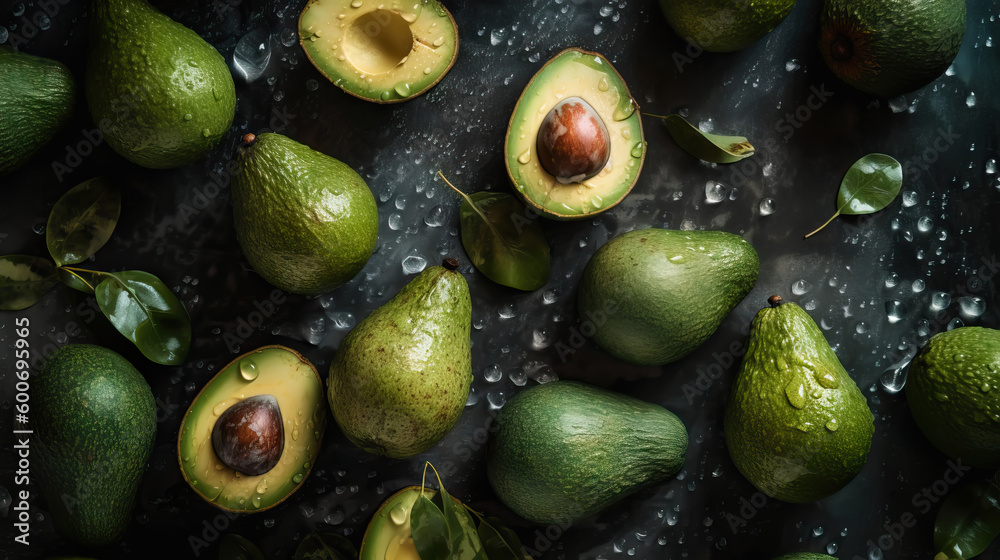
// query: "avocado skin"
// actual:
[[400, 379], [788, 354], [36, 99], [650, 308], [162, 95], [898, 46], [965, 423], [94, 422], [564, 450], [307, 222], [724, 25]]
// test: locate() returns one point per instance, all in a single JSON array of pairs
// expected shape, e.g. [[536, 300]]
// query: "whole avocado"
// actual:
[[890, 47], [954, 394], [94, 422], [160, 94], [724, 25], [36, 99]]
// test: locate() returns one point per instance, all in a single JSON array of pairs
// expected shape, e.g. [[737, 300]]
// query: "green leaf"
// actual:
[[464, 537], [235, 547], [870, 185], [143, 309], [968, 521], [82, 221], [504, 241], [85, 281], [429, 529], [710, 147], [499, 541], [325, 546], [24, 279]]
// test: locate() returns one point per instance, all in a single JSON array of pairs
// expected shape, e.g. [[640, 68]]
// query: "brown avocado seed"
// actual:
[[250, 435], [573, 144]]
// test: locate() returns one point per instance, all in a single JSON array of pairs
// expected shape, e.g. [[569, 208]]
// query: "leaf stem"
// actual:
[[74, 271], [814, 232], [645, 114], [472, 203]]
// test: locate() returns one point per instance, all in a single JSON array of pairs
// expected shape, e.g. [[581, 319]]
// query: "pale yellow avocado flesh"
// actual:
[[388, 534], [575, 73], [294, 382], [380, 50]]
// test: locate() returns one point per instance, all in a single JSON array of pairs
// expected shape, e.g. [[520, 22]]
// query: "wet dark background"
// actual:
[[877, 285]]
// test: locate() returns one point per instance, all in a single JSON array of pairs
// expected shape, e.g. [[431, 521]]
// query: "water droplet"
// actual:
[[297, 479], [262, 486], [792, 65], [910, 198], [833, 426], [206, 133], [898, 104], [795, 391], [435, 217], [188, 116], [252, 54], [398, 514], [496, 399], [971, 307], [800, 287], [892, 280], [766, 207], [940, 301], [395, 221], [991, 164], [818, 531], [715, 192], [506, 311], [402, 88], [4, 34], [970, 101], [893, 378], [492, 373], [248, 369], [827, 380], [831, 548], [312, 85], [414, 264], [525, 157], [288, 37], [356, 3], [220, 408], [638, 149], [955, 324], [540, 339], [924, 224], [861, 327], [918, 286], [603, 85], [624, 110], [18, 9], [677, 259], [598, 28]]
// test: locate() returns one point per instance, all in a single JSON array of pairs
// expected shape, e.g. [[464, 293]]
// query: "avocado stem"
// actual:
[[450, 263], [775, 301], [249, 138]]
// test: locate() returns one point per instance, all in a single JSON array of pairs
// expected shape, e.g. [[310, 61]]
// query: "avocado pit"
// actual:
[[573, 143], [249, 436]]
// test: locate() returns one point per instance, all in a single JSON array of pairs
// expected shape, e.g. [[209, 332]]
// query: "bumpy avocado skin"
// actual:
[[953, 394], [94, 422], [796, 424], [724, 25], [891, 47], [36, 99]]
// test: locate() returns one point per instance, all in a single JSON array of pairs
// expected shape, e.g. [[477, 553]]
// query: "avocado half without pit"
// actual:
[[252, 434], [384, 51], [388, 536], [574, 144]]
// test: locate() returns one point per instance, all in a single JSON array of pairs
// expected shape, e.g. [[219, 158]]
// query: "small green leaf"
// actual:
[[429, 529], [464, 537], [710, 147], [143, 309], [85, 281], [499, 541], [235, 547], [24, 279], [870, 185], [968, 521], [325, 546], [504, 241], [82, 221]]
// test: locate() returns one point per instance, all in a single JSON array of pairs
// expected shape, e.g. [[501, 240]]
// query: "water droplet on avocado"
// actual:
[[403, 89], [248, 369], [804, 427], [356, 3], [603, 85], [257, 500], [677, 259], [295, 434], [525, 156], [410, 18], [220, 408], [262, 486], [437, 42], [188, 116], [638, 149], [624, 110], [306, 465], [832, 425], [795, 391], [297, 478], [958, 357], [827, 380], [985, 387], [941, 397], [398, 514], [206, 133]]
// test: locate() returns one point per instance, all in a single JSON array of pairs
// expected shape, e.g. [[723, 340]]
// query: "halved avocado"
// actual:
[[591, 78], [294, 383], [388, 534], [384, 51]]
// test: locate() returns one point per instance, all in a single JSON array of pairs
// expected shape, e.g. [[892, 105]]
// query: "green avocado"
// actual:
[[386, 52], [577, 108], [160, 94], [36, 99], [306, 222], [563, 451], [890, 47], [954, 394], [724, 25], [797, 426], [652, 296], [388, 535], [271, 374], [94, 422]]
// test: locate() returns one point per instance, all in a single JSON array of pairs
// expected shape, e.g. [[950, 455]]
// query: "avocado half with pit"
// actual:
[[384, 51], [253, 433], [574, 145]]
